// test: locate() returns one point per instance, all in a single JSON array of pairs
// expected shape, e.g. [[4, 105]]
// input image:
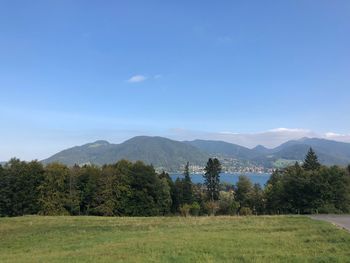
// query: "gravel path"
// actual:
[[339, 220]]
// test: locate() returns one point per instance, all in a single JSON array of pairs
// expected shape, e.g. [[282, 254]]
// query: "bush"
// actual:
[[185, 210], [245, 211], [329, 209], [195, 208], [227, 204], [212, 207]]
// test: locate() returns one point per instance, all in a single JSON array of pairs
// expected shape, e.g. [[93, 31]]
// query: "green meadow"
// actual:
[[171, 239]]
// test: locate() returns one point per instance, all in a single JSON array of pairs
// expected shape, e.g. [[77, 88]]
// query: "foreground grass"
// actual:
[[172, 239]]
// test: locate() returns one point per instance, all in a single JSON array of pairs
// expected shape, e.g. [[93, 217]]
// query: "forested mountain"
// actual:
[[171, 155], [161, 152], [223, 149]]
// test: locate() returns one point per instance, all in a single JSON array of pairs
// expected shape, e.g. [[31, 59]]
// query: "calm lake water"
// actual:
[[260, 178]]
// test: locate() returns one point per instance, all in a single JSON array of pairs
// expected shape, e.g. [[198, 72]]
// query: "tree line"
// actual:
[[135, 189]]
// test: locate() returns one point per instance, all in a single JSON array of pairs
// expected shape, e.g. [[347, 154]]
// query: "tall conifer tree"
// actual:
[[311, 162], [212, 178], [187, 186]]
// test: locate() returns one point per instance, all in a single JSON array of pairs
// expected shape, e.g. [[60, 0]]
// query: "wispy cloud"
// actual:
[[224, 40], [142, 78], [137, 78], [158, 76], [289, 130]]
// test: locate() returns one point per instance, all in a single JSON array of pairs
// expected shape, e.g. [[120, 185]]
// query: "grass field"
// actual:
[[171, 239]]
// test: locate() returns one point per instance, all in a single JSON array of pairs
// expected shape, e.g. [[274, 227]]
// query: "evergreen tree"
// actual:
[[19, 187], [244, 191], [274, 193], [179, 192], [311, 162], [187, 186], [4, 192], [298, 191], [164, 201], [173, 192], [212, 178], [297, 166], [257, 199], [339, 183]]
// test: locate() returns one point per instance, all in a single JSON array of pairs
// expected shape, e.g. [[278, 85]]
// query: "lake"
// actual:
[[231, 178]]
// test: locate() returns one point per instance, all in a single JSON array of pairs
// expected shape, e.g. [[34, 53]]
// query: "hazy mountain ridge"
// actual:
[[171, 155], [329, 152]]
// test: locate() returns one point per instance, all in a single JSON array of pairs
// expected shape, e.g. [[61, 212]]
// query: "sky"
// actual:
[[248, 72]]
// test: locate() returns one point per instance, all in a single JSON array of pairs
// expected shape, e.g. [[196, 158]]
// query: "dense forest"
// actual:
[[135, 189]]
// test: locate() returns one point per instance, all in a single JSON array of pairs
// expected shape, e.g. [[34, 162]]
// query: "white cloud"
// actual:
[[228, 132], [137, 78], [337, 136], [288, 130], [333, 134]]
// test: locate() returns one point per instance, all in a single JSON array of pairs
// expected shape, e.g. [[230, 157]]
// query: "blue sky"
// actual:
[[77, 71]]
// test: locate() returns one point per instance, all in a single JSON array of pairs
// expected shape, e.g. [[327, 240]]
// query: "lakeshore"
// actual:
[[230, 178]]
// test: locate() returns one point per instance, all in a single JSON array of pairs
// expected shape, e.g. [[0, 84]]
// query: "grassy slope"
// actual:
[[174, 239]]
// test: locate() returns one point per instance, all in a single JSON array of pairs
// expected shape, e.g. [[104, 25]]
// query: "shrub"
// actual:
[[227, 204], [195, 208], [245, 211], [328, 209], [185, 210], [212, 207]]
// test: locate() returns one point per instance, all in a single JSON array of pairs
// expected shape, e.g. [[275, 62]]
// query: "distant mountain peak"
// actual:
[[102, 142], [98, 143], [305, 139], [145, 137], [259, 148]]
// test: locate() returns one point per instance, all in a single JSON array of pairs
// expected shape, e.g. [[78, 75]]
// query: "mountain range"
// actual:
[[161, 152], [171, 155]]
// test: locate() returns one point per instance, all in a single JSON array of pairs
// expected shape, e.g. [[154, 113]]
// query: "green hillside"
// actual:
[[161, 152]]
